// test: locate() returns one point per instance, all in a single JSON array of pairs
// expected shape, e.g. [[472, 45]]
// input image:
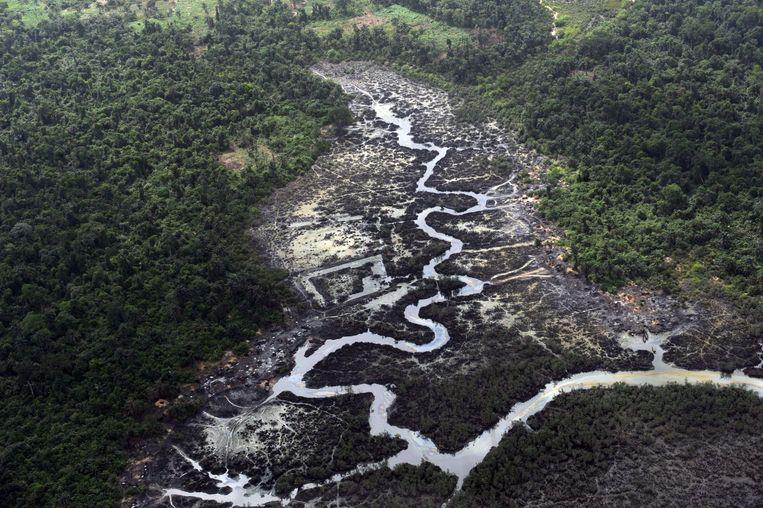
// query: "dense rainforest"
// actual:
[[657, 114], [124, 253]]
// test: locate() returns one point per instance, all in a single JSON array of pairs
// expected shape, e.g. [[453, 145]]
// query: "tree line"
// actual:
[[124, 254]]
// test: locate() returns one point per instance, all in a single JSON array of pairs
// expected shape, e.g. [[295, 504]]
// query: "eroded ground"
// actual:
[[353, 233]]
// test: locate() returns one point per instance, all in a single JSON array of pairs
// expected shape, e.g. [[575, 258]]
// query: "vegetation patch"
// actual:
[[346, 16], [629, 445], [197, 14], [575, 17]]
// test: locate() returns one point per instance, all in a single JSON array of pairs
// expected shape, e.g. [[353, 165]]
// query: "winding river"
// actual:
[[420, 448]]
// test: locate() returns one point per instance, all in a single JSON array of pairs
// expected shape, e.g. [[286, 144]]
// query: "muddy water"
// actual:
[[419, 448]]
